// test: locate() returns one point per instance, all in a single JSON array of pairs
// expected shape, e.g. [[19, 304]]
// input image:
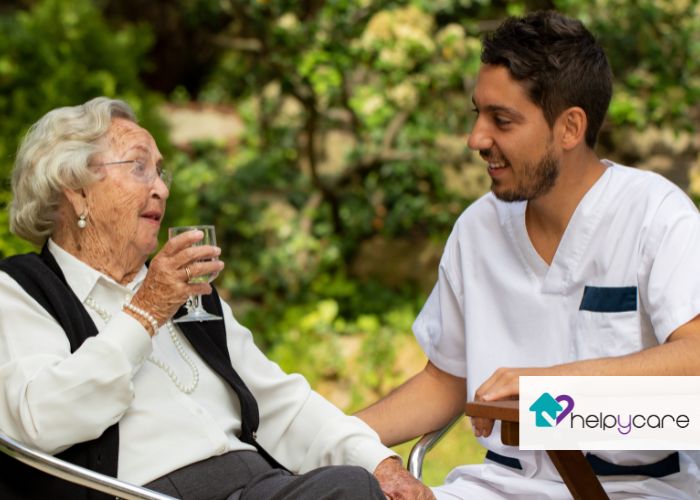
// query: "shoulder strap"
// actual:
[[209, 339], [41, 277]]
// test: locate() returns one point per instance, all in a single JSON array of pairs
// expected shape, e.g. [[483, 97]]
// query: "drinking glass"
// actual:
[[195, 311]]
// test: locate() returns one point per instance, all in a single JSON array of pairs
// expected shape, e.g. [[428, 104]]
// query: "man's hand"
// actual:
[[398, 484], [677, 356], [503, 384]]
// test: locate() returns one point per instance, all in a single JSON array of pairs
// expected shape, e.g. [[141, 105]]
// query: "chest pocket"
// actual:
[[609, 299], [608, 322]]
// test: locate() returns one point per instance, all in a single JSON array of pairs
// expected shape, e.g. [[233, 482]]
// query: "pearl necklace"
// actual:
[[187, 389]]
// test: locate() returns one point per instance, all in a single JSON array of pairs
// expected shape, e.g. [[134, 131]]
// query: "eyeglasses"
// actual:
[[141, 172]]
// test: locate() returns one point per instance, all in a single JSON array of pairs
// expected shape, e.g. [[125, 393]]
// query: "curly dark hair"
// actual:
[[559, 63]]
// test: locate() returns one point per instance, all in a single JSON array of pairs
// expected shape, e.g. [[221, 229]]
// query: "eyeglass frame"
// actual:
[[164, 174]]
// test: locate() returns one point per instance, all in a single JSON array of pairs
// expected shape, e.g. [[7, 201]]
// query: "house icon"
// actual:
[[546, 409]]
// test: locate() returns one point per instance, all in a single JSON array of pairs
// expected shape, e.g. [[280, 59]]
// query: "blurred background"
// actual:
[[326, 140]]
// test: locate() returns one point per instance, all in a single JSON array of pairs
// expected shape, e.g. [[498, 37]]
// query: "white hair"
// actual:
[[54, 155]]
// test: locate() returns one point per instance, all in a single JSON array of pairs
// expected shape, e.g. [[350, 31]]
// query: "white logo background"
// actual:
[[615, 413]]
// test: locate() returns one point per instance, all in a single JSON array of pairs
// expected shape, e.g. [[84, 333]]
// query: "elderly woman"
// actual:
[[93, 369]]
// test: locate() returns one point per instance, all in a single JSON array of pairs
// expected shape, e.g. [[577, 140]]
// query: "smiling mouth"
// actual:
[[493, 161], [496, 164]]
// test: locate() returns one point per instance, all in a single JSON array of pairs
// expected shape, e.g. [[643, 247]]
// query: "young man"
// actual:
[[572, 265]]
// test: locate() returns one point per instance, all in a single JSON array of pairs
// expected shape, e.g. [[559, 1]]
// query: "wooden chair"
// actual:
[[76, 474], [572, 465]]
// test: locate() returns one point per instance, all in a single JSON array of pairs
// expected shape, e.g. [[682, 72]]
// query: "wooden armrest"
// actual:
[[505, 411]]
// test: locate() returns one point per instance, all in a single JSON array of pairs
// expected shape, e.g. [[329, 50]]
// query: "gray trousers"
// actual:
[[245, 475]]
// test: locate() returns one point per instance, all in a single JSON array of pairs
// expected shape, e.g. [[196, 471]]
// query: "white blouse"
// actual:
[[51, 399]]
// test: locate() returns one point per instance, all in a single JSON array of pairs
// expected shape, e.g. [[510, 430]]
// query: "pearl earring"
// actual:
[[82, 223]]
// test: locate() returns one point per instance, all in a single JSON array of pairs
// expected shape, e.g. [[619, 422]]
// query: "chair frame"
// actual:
[[423, 446], [76, 474]]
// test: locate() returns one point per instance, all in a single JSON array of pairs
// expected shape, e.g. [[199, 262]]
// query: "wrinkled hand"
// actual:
[[503, 384], [167, 286], [398, 484]]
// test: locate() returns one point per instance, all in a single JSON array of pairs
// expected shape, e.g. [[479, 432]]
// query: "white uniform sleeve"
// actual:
[[439, 327], [50, 398], [670, 285], [298, 427]]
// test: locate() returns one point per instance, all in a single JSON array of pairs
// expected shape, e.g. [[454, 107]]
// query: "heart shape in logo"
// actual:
[[569, 406]]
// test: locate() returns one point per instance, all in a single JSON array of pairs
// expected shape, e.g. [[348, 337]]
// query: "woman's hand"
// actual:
[[398, 484], [167, 285]]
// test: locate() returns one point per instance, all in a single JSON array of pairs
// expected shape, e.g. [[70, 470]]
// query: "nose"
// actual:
[[479, 138], [160, 189]]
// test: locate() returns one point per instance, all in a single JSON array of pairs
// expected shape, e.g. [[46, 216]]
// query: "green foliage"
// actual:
[[9, 245], [654, 49], [345, 103], [336, 337], [59, 53], [343, 108]]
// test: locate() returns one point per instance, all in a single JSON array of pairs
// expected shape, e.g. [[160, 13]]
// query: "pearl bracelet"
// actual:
[[144, 314]]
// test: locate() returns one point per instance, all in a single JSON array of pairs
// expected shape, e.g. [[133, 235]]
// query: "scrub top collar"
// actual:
[[558, 277]]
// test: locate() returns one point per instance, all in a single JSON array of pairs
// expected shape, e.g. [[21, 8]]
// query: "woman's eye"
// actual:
[[140, 167]]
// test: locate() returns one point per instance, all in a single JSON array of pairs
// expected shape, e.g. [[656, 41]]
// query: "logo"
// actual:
[[609, 413], [548, 410]]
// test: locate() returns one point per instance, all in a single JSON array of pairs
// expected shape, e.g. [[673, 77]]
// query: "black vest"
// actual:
[[41, 278]]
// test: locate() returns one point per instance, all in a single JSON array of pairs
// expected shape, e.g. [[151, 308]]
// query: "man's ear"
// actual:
[[573, 122]]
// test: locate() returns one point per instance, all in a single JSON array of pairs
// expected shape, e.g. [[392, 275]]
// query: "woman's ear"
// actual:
[[77, 199], [573, 122]]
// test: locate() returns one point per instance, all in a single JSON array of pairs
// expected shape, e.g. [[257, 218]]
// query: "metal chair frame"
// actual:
[[76, 474], [423, 446]]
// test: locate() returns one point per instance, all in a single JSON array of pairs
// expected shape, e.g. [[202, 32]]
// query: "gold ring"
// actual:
[[189, 274]]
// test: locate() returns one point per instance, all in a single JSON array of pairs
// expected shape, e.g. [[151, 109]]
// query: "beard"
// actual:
[[533, 180]]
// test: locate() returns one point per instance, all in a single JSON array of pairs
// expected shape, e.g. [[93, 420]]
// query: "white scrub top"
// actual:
[[626, 274]]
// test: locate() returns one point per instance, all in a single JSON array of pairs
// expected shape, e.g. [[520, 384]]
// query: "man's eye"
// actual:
[[501, 122]]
